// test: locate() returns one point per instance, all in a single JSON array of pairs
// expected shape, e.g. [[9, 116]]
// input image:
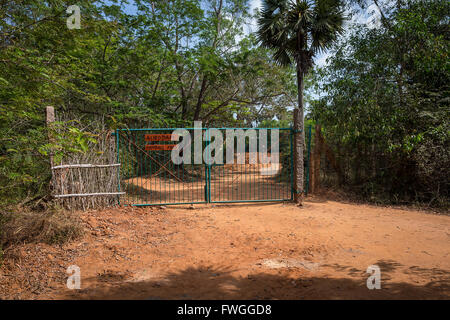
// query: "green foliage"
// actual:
[[384, 106], [164, 65], [297, 30], [385, 111], [66, 139]]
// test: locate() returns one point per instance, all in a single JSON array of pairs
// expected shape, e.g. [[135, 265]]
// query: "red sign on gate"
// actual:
[[158, 147], [160, 137]]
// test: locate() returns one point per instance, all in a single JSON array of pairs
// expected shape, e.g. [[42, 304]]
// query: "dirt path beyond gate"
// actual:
[[242, 251]]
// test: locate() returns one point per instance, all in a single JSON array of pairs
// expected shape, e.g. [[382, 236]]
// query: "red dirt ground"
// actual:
[[241, 251]]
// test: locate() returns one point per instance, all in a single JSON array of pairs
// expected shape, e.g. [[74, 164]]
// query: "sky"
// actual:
[[371, 17], [319, 59]]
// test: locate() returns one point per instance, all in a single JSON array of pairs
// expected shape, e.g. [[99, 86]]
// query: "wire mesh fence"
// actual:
[[254, 180], [148, 176]]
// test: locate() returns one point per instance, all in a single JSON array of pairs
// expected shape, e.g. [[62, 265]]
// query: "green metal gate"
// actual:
[[148, 175]]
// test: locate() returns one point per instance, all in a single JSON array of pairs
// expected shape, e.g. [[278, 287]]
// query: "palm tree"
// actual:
[[297, 30]]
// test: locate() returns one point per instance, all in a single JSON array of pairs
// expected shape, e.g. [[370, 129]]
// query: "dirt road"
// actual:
[[243, 251]]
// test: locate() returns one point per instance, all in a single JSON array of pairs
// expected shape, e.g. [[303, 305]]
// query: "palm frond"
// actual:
[[294, 28]]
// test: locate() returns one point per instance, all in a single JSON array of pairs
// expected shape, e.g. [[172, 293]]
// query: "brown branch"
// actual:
[[384, 20]]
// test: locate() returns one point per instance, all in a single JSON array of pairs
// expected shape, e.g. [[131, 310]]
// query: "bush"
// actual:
[[51, 226]]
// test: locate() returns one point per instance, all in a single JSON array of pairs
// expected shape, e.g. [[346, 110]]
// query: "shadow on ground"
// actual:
[[219, 283]]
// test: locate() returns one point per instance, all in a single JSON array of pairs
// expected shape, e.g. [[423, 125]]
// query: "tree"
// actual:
[[297, 31], [383, 105], [160, 66]]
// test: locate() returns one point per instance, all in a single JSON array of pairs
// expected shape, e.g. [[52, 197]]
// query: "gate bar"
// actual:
[[202, 128]]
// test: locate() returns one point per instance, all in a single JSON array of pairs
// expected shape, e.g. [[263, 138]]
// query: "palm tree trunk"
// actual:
[[299, 141]]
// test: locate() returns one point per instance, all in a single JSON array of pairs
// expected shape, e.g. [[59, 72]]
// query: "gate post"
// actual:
[[117, 136], [299, 143], [207, 172], [291, 137]]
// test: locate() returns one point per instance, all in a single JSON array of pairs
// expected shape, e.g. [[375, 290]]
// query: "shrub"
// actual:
[[52, 226]]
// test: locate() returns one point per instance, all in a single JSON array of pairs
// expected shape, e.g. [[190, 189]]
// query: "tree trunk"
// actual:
[[198, 106], [299, 141]]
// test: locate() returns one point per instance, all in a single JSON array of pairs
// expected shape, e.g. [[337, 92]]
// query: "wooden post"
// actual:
[[312, 177], [317, 155], [50, 111]]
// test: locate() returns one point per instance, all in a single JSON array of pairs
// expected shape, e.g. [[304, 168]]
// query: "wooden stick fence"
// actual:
[[90, 179]]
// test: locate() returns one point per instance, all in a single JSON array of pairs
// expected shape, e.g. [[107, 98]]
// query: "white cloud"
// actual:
[[320, 60], [374, 19], [254, 4]]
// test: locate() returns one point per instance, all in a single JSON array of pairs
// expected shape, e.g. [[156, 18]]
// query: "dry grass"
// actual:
[[52, 226]]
